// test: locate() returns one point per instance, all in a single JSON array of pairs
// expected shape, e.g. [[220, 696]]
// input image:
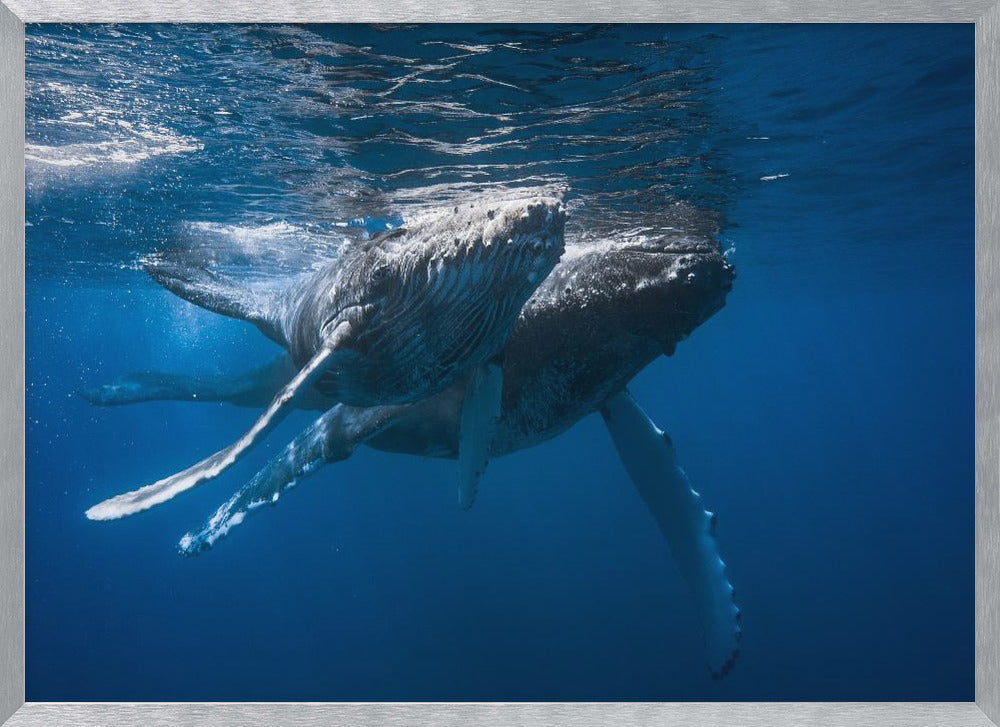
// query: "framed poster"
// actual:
[[700, 296]]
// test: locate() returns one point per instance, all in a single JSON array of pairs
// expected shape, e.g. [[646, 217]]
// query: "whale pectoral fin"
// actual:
[[650, 460], [331, 438], [146, 497], [480, 411]]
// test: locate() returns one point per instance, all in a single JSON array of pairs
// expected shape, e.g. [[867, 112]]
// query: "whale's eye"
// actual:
[[380, 273]]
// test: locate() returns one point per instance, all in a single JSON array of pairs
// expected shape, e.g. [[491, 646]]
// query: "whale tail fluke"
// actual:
[[216, 292], [252, 388]]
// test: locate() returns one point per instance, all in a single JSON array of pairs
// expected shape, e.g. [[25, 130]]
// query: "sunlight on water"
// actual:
[[335, 127]]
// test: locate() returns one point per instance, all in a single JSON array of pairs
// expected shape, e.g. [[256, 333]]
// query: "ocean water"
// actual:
[[825, 414]]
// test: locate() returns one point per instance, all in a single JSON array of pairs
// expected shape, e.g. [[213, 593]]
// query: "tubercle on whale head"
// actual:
[[506, 247], [705, 281], [535, 229], [652, 291], [534, 223]]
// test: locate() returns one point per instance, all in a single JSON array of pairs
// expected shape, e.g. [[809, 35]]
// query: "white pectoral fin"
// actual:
[[649, 458], [146, 497], [480, 411], [331, 438]]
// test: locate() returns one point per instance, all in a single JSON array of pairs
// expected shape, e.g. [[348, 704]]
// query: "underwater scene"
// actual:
[[499, 362]]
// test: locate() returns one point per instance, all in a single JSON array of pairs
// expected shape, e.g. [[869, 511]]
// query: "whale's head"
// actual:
[[637, 294], [675, 282], [476, 255], [442, 294]]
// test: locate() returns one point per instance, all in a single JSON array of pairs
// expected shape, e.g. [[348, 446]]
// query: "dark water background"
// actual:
[[826, 414]]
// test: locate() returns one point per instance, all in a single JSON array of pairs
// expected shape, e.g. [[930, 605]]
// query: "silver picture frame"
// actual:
[[981, 713]]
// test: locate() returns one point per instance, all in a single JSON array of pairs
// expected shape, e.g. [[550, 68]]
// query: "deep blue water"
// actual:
[[826, 413]]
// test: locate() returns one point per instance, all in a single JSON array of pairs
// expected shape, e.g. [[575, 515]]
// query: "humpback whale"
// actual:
[[609, 308], [400, 317]]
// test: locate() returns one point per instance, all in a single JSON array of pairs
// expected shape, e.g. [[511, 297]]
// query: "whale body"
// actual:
[[398, 318], [610, 307]]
